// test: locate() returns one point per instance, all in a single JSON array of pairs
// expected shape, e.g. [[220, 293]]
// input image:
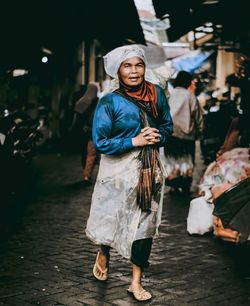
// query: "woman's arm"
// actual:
[[103, 138], [197, 115]]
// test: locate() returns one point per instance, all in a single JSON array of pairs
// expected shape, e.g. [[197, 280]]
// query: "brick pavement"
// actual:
[[48, 259]]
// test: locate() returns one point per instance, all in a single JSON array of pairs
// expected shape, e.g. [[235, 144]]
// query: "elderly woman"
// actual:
[[130, 124]]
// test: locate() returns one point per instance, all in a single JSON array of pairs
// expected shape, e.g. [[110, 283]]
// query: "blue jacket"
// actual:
[[117, 121]]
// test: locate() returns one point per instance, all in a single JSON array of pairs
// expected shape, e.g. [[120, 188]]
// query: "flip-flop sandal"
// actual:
[[141, 295], [99, 273]]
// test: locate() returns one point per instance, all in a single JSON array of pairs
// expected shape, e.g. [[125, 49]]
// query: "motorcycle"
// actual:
[[19, 135]]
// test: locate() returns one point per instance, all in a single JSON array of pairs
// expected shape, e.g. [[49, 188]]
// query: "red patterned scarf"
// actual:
[[145, 92]]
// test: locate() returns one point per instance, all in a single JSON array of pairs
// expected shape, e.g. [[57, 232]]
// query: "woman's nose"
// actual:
[[133, 69]]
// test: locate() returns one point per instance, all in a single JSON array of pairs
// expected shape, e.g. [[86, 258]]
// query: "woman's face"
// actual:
[[131, 71]]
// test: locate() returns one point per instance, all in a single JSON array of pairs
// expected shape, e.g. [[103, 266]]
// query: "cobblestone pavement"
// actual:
[[48, 260]]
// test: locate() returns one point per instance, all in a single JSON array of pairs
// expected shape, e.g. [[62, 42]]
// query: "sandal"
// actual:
[[99, 273], [141, 295]]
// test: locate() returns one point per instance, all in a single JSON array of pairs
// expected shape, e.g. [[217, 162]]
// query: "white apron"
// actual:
[[115, 218]]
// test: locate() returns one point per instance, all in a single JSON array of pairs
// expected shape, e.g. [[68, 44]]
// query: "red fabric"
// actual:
[[145, 92]]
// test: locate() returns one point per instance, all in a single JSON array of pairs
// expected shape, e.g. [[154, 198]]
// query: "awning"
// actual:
[[61, 25], [192, 61], [181, 15], [185, 16]]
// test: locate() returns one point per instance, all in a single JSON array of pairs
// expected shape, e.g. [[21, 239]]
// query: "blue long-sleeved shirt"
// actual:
[[117, 121]]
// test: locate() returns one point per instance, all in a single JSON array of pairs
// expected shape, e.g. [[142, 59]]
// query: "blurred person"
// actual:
[[130, 124], [85, 106], [188, 124], [241, 79]]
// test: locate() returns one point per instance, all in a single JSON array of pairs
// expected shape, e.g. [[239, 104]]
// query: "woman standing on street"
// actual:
[[130, 124]]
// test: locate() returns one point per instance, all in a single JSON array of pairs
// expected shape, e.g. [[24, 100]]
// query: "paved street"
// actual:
[[47, 259]]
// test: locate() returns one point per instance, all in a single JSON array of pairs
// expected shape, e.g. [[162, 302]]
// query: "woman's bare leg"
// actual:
[[136, 278], [136, 288]]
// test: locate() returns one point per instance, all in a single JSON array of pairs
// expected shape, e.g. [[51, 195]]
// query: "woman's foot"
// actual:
[[139, 294], [100, 269]]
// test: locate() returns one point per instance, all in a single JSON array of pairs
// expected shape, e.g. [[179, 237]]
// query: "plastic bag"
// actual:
[[200, 217]]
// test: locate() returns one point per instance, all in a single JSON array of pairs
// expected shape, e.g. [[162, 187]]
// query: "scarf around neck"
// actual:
[[145, 92], [148, 187]]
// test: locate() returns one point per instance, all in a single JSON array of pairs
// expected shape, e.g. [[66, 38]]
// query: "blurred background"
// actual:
[[51, 50]]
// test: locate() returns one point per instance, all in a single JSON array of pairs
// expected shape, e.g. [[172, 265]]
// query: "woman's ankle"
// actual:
[[136, 278], [135, 286]]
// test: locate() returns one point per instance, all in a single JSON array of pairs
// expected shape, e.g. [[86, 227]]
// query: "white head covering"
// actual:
[[114, 58]]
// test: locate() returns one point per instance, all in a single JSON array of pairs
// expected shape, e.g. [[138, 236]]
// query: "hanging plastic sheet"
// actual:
[[192, 61]]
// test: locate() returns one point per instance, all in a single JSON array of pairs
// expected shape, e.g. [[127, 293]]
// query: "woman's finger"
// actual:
[[145, 129], [149, 130], [153, 135]]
